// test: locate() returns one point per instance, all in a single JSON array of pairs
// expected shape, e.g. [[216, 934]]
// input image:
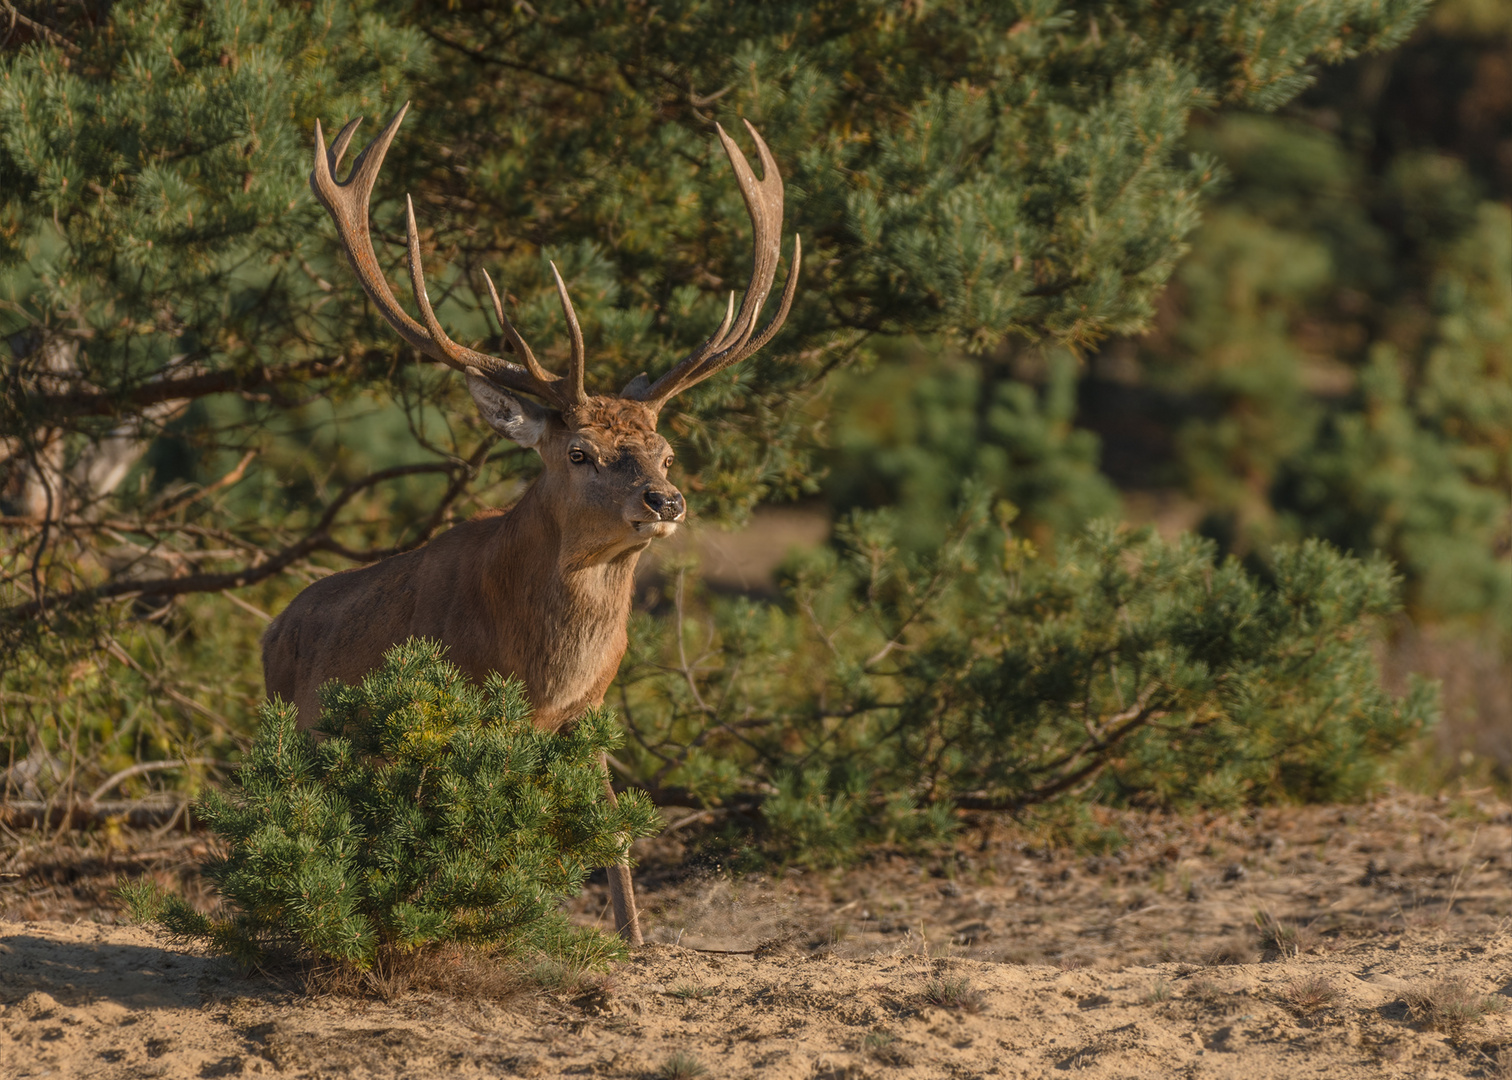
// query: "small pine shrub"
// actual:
[[432, 812]]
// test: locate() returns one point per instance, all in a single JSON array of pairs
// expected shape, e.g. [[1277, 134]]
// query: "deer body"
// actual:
[[340, 627], [540, 591]]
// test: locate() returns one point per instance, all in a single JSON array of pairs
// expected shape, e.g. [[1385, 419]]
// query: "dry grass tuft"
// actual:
[[691, 992], [1500, 1066], [882, 1046], [950, 993], [595, 990], [1281, 940], [1310, 993], [563, 977], [1450, 1005], [453, 970], [1204, 989], [1230, 953], [681, 1066]]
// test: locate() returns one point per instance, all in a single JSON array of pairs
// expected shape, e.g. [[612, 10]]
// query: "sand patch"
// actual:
[[113, 1002]]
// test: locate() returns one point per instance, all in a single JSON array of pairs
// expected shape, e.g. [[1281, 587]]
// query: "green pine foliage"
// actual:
[[893, 686], [928, 425], [1355, 361], [431, 812], [977, 176], [154, 195], [1337, 358], [1332, 359]]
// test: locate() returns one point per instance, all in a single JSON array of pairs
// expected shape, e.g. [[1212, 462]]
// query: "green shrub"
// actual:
[[818, 817], [892, 687], [432, 812]]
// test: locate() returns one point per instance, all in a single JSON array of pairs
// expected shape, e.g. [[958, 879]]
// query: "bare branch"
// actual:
[[91, 401], [264, 566], [143, 767], [232, 477], [43, 31]]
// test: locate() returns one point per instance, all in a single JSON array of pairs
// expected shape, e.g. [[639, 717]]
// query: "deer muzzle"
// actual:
[[666, 505]]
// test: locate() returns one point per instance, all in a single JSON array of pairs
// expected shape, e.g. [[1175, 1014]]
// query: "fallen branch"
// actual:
[[143, 767], [135, 814]]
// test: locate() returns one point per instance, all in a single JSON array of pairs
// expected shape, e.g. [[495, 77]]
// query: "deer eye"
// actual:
[[576, 456]]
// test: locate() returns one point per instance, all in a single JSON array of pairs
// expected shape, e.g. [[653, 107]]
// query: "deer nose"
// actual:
[[668, 507]]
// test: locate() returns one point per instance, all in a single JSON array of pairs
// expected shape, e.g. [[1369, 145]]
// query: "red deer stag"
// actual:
[[541, 591]]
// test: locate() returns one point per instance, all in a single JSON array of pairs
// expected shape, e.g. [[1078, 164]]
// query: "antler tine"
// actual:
[[343, 138], [347, 203], [452, 353], [348, 206], [724, 326], [575, 332], [774, 324], [512, 336], [733, 343]]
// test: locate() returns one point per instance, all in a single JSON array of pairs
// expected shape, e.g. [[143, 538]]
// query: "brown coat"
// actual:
[[541, 590]]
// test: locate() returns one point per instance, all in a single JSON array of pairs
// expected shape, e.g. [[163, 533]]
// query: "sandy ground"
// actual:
[[1329, 942]]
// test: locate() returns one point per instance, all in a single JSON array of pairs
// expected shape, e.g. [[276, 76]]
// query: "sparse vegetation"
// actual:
[[691, 992], [1451, 1005], [882, 1047], [1308, 994], [458, 971], [569, 975], [1203, 989], [682, 1066], [949, 992], [1281, 939]]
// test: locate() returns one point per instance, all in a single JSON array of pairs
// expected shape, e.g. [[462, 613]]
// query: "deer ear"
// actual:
[[637, 388], [516, 418]]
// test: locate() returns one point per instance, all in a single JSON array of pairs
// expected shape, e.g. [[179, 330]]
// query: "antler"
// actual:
[[347, 203], [732, 343]]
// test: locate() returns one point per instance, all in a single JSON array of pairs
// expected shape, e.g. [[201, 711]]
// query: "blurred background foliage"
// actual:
[[1222, 268]]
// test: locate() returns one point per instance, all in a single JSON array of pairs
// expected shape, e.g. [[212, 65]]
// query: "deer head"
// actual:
[[605, 465]]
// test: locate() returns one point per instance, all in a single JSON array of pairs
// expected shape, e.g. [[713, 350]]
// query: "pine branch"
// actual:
[[268, 564], [91, 401]]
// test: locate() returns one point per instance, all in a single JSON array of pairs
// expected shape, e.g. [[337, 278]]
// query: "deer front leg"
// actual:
[[621, 887]]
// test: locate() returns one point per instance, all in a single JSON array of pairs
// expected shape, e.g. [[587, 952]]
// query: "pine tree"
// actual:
[[432, 812], [199, 405], [1338, 356], [893, 686]]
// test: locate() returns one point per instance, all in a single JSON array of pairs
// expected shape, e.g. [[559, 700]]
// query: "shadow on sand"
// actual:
[[138, 976]]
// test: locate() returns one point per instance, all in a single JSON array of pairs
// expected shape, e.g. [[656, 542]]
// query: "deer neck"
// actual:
[[561, 606], [566, 562]]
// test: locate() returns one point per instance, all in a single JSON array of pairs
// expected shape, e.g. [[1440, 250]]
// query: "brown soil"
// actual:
[[1338, 942]]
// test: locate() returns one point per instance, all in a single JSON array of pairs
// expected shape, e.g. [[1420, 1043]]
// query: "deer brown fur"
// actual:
[[542, 590]]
